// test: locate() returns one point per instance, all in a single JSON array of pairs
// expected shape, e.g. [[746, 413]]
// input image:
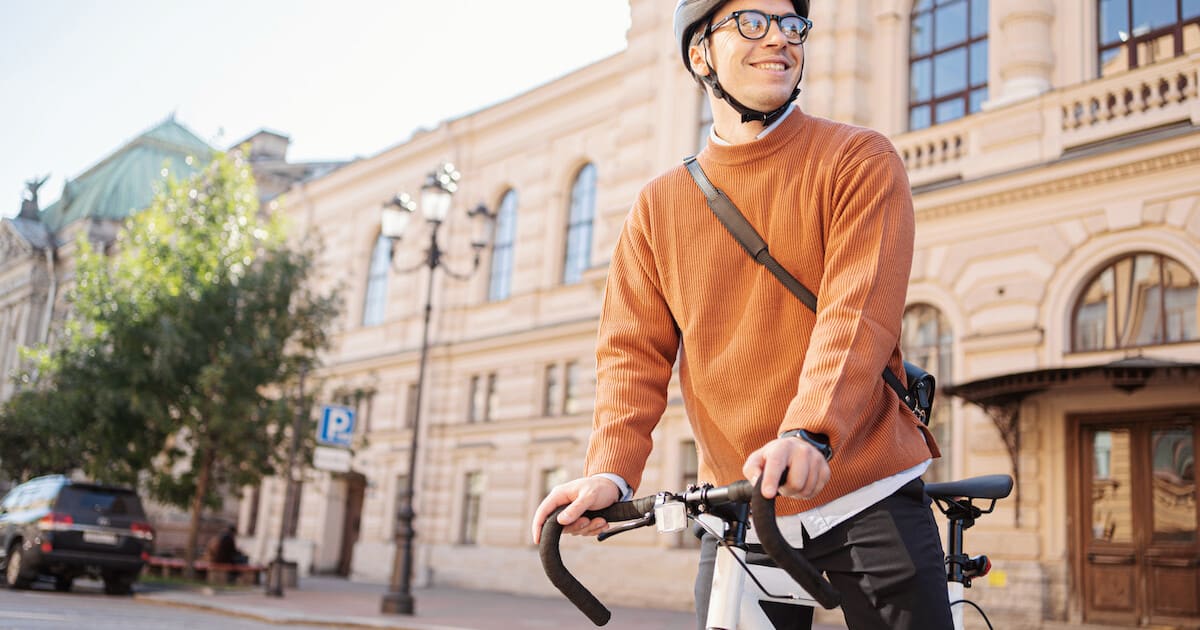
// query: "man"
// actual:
[[768, 385]]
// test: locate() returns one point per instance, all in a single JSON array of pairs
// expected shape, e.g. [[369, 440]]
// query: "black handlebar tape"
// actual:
[[762, 514], [561, 578]]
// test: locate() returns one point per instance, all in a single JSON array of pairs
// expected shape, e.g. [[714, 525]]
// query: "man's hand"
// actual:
[[586, 493], [807, 470]]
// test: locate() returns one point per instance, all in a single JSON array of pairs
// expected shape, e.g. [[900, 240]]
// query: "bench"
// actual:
[[212, 572]]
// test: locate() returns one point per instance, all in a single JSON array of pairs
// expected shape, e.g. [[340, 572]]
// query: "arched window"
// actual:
[[1142, 299], [500, 281], [928, 341], [377, 278], [579, 225], [947, 61], [1133, 33]]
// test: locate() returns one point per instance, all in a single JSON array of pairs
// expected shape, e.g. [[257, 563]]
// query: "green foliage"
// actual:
[[182, 352]]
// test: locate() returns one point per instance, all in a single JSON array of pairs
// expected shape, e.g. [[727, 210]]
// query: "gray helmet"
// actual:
[[690, 14]]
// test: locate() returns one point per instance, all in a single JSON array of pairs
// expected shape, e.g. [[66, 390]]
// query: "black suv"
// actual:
[[63, 528]]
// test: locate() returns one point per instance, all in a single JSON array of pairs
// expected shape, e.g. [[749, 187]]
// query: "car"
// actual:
[[64, 528]]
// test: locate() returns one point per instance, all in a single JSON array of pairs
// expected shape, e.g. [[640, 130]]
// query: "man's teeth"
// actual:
[[769, 66]]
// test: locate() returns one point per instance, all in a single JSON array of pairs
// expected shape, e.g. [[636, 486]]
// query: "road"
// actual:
[[86, 606]]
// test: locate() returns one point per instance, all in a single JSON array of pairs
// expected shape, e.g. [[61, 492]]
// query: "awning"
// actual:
[[1000, 396]]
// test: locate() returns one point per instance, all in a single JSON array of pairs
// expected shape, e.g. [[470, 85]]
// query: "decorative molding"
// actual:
[[1069, 183]]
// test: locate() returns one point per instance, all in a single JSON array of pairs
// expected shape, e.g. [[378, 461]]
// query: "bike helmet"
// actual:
[[691, 19]]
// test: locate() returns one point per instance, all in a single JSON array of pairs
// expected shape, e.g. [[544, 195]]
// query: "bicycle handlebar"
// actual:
[[762, 514]]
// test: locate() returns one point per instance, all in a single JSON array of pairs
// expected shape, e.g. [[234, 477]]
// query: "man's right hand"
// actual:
[[580, 495]]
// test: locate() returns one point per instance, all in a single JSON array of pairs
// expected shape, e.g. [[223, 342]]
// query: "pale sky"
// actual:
[[344, 78]]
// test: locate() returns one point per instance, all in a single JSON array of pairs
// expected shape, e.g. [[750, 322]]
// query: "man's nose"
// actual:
[[774, 36]]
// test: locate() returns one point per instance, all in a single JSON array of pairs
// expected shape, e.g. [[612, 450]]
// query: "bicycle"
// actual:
[[727, 511]]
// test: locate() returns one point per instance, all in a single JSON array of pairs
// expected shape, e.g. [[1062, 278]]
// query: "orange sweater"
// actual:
[[833, 203]]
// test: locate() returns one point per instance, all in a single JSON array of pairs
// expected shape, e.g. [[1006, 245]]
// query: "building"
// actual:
[[38, 247], [1052, 149]]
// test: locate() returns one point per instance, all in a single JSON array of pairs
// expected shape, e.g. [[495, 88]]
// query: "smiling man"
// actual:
[[770, 386]]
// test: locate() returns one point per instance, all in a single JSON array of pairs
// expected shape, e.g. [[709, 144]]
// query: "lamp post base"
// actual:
[[397, 603]]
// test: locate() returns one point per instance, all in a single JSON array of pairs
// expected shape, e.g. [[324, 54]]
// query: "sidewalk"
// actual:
[[340, 603]]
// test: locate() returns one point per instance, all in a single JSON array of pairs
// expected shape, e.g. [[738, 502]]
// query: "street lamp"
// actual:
[[436, 197], [291, 502]]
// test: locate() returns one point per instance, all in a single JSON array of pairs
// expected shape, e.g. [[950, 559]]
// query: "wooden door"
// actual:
[[356, 485], [1138, 527]]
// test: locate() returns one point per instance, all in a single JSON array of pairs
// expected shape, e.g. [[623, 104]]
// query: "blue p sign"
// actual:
[[337, 426]]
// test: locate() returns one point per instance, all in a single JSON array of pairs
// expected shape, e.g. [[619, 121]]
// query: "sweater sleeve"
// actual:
[[868, 256], [637, 345]]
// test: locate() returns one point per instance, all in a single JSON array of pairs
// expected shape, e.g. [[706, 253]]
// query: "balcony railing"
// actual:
[[1043, 129]]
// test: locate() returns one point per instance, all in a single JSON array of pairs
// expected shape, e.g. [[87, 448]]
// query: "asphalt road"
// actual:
[[86, 606]]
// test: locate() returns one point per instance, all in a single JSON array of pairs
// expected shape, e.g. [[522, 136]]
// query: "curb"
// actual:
[[280, 617]]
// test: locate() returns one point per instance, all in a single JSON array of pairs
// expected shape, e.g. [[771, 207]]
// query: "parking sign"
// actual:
[[337, 426]]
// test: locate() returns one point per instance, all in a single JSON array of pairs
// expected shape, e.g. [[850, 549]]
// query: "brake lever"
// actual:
[[645, 521]]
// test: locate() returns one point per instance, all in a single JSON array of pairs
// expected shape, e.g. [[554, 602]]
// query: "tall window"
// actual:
[[377, 277], [1135, 33], [1140, 300], [689, 473], [401, 499], [550, 392], [572, 398], [579, 224], [500, 283], [472, 497], [947, 61], [928, 341], [251, 527], [410, 406], [482, 403], [706, 122]]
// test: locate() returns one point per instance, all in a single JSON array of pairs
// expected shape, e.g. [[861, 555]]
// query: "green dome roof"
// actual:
[[125, 182]]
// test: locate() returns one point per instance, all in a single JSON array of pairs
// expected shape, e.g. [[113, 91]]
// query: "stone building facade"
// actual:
[[1052, 149]]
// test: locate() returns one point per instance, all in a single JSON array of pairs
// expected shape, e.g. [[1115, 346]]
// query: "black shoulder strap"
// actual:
[[748, 238]]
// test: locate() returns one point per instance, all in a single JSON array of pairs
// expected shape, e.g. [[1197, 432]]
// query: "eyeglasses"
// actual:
[[755, 24]]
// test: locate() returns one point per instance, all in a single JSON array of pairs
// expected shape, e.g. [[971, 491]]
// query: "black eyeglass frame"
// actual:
[[778, 19]]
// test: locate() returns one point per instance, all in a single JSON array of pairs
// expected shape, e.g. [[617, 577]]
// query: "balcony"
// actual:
[[1055, 124]]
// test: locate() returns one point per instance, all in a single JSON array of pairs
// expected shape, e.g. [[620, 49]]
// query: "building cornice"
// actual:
[[1052, 184]]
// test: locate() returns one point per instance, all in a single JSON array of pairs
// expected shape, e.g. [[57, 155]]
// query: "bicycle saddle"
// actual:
[[984, 487]]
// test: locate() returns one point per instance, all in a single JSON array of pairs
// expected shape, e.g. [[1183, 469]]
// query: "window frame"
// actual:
[[1161, 260], [1133, 41], [379, 270], [580, 224], [504, 236], [931, 8]]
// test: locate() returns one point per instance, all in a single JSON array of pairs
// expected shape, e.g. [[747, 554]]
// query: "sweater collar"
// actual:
[[773, 139], [715, 139]]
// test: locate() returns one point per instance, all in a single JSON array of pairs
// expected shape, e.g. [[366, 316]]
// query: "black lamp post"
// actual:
[[291, 502], [436, 197]]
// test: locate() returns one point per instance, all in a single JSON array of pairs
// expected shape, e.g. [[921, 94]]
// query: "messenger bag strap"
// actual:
[[748, 238]]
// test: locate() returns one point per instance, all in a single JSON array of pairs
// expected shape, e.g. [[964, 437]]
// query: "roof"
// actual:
[[125, 182]]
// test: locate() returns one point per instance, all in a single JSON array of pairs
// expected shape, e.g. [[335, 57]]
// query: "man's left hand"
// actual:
[[807, 470]]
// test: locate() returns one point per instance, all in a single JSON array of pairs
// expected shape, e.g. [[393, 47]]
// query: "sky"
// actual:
[[342, 79]]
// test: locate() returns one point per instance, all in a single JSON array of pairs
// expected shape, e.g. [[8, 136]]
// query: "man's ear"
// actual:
[[697, 59]]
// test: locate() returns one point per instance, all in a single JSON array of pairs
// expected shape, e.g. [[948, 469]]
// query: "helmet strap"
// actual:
[[748, 114]]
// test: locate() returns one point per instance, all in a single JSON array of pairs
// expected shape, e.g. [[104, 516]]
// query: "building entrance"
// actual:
[[1138, 556], [356, 485]]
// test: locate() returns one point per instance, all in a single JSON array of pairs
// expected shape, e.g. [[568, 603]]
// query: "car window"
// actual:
[[12, 500], [84, 500]]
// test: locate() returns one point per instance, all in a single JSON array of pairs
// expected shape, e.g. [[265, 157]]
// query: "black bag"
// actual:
[[918, 396]]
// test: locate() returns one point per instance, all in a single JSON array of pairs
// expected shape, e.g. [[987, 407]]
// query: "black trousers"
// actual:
[[887, 561]]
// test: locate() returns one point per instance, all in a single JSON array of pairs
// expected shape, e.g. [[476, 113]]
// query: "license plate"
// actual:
[[100, 538]]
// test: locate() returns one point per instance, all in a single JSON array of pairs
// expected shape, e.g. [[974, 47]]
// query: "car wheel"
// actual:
[[119, 583], [15, 573], [62, 583]]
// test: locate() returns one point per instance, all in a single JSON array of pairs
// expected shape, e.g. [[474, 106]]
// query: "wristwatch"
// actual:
[[819, 441]]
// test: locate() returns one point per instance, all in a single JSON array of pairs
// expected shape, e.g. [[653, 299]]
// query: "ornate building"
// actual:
[[1052, 149]]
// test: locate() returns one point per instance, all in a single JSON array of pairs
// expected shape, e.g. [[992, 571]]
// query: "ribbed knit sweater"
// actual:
[[833, 203]]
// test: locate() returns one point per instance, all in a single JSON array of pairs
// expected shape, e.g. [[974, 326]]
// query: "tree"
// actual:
[[174, 367]]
